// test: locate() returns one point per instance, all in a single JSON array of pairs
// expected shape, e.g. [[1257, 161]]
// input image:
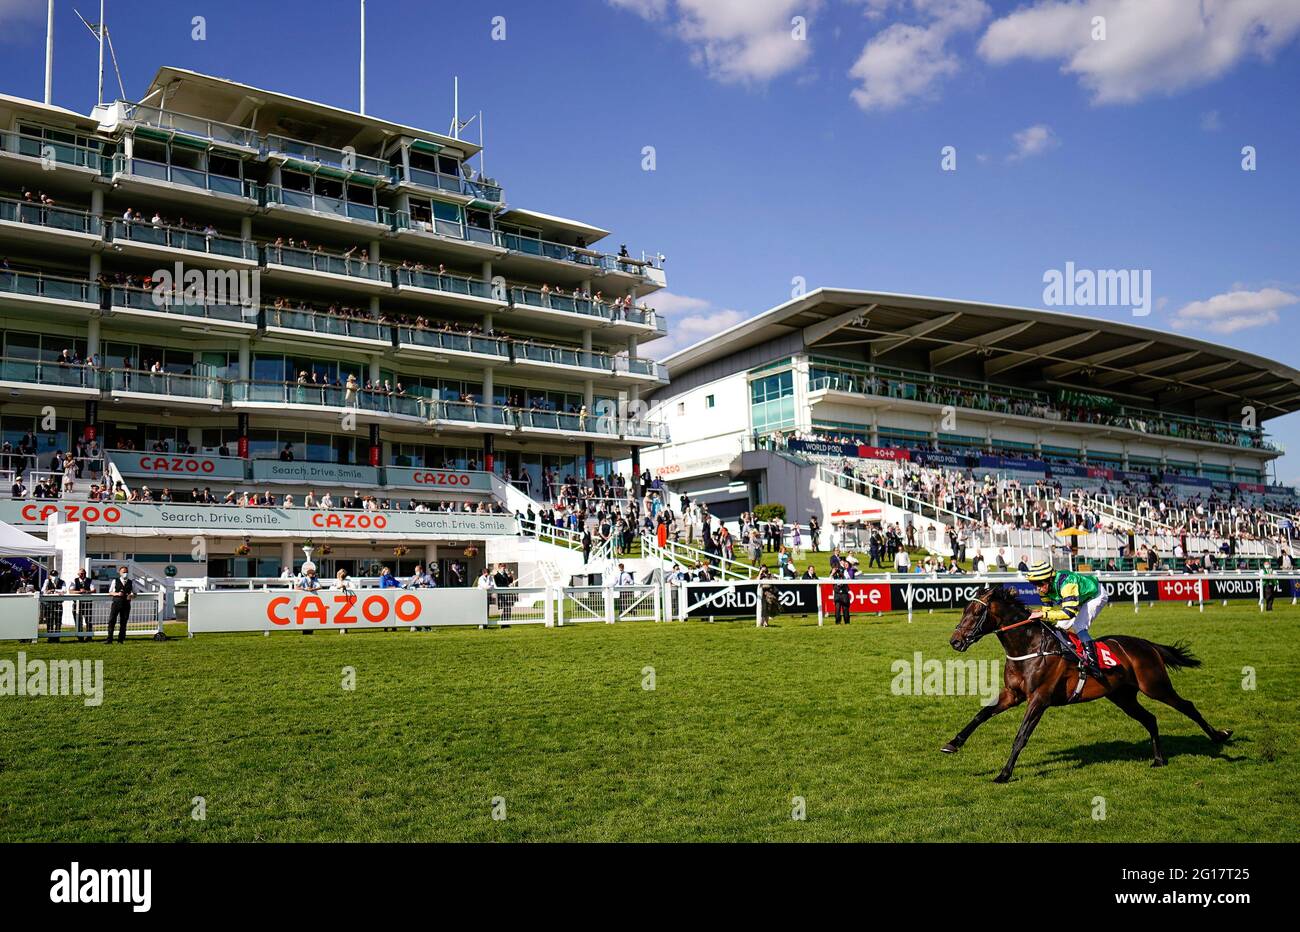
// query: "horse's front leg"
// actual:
[[1033, 713], [1006, 699]]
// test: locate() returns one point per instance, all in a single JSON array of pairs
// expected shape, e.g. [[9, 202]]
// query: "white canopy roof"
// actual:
[[16, 543]]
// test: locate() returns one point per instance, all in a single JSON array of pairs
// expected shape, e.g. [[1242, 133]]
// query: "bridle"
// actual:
[[978, 632]]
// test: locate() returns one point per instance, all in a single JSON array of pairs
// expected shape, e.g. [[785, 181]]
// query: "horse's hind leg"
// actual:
[[1165, 692], [1006, 700], [1127, 701]]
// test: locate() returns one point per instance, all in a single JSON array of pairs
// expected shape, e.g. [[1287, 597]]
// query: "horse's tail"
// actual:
[[1178, 656]]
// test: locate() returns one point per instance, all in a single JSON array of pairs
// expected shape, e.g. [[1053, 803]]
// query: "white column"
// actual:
[[589, 396], [286, 555], [246, 228], [430, 557], [92, 336], [488, 387], [245, 365], [374, 250], [802, 410], [374, 368]]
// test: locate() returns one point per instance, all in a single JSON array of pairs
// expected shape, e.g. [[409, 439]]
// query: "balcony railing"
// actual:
[[321, 204], [531, 297], [455, 342], [139, 299], [36, 284], [187, 177], [563, 356], [187, 125], [328, 324], [41, 372], [448, 284], [165, 384], [53, 218], [348, 266], [401, 220], [177, 238], [60, 153], [990, 397], [638, 366], [324, 155], [329, 396]]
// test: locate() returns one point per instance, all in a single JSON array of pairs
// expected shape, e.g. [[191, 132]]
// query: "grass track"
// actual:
[[557, 723]]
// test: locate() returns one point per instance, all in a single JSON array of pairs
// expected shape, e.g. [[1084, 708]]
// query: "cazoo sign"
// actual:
[[211, 611]]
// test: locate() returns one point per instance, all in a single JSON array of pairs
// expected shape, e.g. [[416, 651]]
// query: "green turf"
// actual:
[[557, 723]]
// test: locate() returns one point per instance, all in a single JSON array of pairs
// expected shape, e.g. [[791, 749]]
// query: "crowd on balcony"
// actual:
[[133, 217], [988, 398], [251, 498]]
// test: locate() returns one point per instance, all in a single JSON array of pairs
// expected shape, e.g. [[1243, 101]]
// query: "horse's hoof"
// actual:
[[950, 748], [1002, 778], [1223, 736]]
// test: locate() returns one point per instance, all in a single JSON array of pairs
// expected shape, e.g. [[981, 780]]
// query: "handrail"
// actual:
[[44, 215], [152, 234]]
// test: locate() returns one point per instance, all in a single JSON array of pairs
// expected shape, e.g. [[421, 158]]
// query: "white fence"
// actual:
[[68, 616]]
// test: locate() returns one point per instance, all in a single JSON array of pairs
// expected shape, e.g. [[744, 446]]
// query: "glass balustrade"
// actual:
[[57, 153], [37, 285], [41, 372], [348, 266], [176, 238], [54, 218], [160, 302], [448, 284], [328, 324]]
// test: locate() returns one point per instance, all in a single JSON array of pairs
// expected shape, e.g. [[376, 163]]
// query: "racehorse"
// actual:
[[1037, 672]]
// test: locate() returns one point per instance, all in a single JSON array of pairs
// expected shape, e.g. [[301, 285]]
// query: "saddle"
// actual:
[[1097, 660]]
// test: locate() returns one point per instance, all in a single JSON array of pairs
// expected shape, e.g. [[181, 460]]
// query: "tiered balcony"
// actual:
[[36, 153], [348, 273], [171, 124], [38, 292], [161, 242], [25, 222], [47, 379], [453, 290], [189, 181], [313, 158], [323, 206], [156, 312], [568, 311]]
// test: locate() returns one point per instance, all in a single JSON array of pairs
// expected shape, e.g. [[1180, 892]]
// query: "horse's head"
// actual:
[[991, 608]]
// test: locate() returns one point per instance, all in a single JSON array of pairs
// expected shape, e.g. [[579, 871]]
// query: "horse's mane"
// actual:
[[1006, 594]]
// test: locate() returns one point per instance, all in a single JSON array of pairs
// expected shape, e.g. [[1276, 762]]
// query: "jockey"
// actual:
[[1071, 601]]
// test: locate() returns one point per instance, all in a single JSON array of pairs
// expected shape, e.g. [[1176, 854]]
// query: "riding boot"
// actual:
[[1090, 660]]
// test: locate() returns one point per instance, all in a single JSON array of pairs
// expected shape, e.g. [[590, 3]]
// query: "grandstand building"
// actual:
[[226, 290], [843, 377]]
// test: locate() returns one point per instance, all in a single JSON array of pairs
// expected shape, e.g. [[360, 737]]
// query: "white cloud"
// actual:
[[906, 62], [690, 320], [1151, 46], [735, 41], [1234, 310], [14, 12], [1033, 140]]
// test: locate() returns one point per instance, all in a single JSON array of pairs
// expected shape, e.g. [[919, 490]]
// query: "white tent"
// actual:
[[16, 543]]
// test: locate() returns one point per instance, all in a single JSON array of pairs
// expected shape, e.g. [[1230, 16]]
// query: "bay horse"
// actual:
[[1037, 672]]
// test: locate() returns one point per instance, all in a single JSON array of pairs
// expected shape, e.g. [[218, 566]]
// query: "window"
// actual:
[[771, 402], [708, 401], [681, 409]]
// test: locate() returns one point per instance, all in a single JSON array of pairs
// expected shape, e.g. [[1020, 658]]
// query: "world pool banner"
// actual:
[[852, 450], [438, 480], [300, 473], [198, 519], [867, 596], [935, 458], [176, 467]]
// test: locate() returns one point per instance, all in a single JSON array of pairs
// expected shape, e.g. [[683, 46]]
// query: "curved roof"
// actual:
[[1017, 345]]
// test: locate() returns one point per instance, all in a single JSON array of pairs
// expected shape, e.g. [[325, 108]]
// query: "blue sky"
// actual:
[[815, 152]]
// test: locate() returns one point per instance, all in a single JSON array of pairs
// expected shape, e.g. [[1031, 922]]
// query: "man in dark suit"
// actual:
[[123, 592], [81, 585], [841, 597]]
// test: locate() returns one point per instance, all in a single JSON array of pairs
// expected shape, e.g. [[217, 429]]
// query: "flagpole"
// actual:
[[49, 55], [363, 57], [101, 53]]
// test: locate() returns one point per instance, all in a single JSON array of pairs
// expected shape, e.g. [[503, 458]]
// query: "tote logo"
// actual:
[[87, 885], [1098, 288]]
